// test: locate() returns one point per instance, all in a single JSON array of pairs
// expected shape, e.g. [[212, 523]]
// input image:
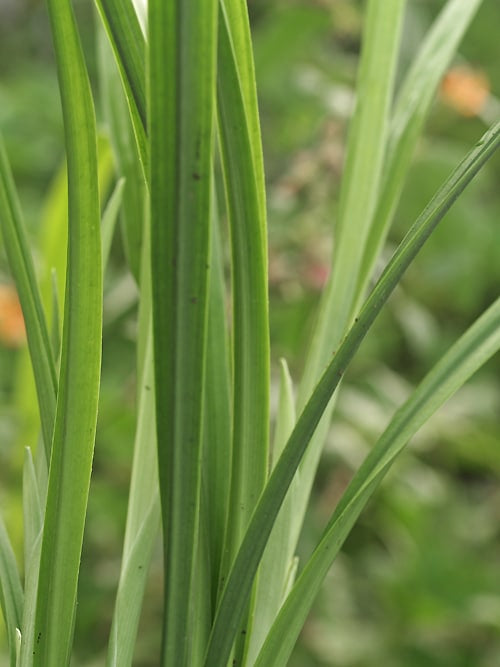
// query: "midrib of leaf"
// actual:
[[238, 588], [76, 413], [182, 54]]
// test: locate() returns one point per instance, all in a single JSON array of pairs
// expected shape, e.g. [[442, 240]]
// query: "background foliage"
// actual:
[[417, 582]]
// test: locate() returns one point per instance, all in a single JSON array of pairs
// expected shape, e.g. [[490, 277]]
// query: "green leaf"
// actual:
[[55, 331], [127, 41], [468, 354], [33, 505], [239, 584], [52, 256], [182, 59], [133, 575], [278, 558], [217, 425], [125, 152], [410, 110], [239, 148], [360, 189], [34, 491], [143, 515], [366, 146], [76, 415], [109, 218], [21, 264], [11, 592]]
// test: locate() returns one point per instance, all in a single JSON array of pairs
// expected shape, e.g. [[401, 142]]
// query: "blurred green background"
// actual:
[[418, 581]]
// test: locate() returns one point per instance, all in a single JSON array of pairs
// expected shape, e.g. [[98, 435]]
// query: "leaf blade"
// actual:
[[470, 352], [182, 58], [238, 587], [76, 414]]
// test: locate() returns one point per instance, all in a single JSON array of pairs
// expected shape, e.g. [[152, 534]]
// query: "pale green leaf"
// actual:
[[238, 588], [468, 354], [11, 592], [21, 264], [410, 110]]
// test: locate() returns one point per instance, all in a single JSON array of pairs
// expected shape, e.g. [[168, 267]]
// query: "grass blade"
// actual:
[[143, 512], [34, 492], [109, 218], [217, 427], [249, 278], [32, 505], [21, 263], [279, 553], [361, 180], [468, 354], [182, 57], [127, 41], [239, 584], [125, 153], [367, 142], [52, 245], [143, 522], [74, 432], [11, 592], [412, 105]]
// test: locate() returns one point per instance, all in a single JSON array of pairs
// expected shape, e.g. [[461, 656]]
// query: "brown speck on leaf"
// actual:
[[196, 176], [193, 299]]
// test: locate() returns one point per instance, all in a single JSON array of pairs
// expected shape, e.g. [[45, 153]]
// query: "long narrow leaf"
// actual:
[[217, 425], [468, 354], [367, 143], [74, 433], [249, 280], [21, 263], [52, 257], [143, 523], [411, 108], [182, 55], [143, 512], [279, 553], [125, 152], [360, 182], [127, 41], [32, 505], [238, 588], [34, 496], [11, 592], [109, 218]]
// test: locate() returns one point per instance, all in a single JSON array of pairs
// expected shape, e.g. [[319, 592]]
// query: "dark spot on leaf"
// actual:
[[193, 299], [196, 176]]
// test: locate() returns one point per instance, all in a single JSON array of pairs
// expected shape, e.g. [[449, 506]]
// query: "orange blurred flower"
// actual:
[[12, 331], [466, 90]]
